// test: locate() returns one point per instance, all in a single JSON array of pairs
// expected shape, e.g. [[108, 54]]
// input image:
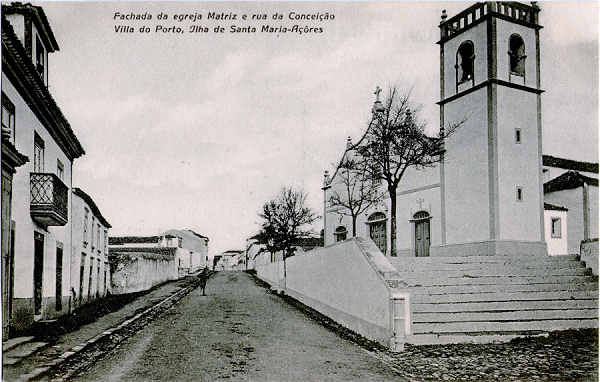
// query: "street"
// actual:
[[239, 331]]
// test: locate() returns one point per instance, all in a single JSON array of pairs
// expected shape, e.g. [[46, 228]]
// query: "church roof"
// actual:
[[569, 164], [567, 181]]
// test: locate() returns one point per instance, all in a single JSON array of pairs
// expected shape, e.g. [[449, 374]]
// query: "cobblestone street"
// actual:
[[562, 356]]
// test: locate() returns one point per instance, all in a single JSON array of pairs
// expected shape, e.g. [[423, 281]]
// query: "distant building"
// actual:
[[90, 273], [37, 278], [192, 249], [232, 260], [573, 185]]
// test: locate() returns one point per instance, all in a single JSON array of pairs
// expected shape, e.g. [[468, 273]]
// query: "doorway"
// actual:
[[422, 234], [38, 269], [377, 230]]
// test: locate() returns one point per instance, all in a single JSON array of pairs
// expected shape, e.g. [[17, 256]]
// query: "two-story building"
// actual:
[[90, 271], [191, 253], [39, 278]]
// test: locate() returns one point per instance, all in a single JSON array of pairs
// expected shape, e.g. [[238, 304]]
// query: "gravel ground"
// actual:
[[562, 356]]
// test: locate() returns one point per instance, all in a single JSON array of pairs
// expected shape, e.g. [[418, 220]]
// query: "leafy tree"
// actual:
[[358, 191], [395, 141]]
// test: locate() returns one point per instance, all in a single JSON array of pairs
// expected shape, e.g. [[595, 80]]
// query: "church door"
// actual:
[[422, 237], [377, 230]]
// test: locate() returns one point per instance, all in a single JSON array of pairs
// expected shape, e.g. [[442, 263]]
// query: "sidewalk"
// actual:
[[71, 343]]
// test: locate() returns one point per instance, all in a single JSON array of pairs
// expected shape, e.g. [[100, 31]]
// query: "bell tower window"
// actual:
[[465, 63], [517, 55]]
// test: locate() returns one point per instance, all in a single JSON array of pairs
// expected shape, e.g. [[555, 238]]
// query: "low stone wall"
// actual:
[[135, 272], [589, 254]]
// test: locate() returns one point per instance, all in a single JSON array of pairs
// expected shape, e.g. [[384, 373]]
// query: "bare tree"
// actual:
[[284, 221], [358, 191], [395, 141]]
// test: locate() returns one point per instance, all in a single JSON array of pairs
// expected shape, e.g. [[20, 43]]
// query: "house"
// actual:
[[573, 185], [192, 249], [38, 274], [90, 272]]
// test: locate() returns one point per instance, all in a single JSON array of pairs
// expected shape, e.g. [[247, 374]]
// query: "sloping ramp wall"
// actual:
[[346, 283]]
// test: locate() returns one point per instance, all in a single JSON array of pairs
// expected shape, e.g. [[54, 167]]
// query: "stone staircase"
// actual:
[[496, 298]]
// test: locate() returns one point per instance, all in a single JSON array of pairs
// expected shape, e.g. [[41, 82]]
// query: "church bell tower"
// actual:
[[491, 180]]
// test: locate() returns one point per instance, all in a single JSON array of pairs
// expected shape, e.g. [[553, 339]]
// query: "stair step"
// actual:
[[472, 273], [504, 305], [424, 280], [21, 351], [498, 259], [515, 315], [508, 296], [14, 342], [541, 325], [490, 267], [477, 338], [486, 288]]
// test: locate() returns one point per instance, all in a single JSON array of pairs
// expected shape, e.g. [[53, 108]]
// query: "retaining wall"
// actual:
[[136, 272], [345, 281]]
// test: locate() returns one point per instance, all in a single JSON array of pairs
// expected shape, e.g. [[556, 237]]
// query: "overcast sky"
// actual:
[[198, 130]]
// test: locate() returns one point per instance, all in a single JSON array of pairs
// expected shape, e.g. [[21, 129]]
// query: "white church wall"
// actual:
[[519, 220], [466, 170], [409, 204]]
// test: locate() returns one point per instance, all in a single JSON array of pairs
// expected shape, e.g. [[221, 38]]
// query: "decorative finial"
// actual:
[[444, 15], [377, 93], [326, 177], [348, 142]]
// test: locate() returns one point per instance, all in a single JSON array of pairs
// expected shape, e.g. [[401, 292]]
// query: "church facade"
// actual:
[[485, 197]]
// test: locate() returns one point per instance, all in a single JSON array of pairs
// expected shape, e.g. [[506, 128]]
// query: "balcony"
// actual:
[[49, 200]]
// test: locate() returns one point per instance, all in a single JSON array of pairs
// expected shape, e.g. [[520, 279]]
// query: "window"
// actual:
[[465, 60], [92, 228], [556, 228], [340, 233], [8, 118], [85, 226], [517, 55], [517, 135], [60, 170], [179, 242], [38, 153], [98, 239], [40, 57], [91, 275], [519, 194], [106, 242], [98, 279]]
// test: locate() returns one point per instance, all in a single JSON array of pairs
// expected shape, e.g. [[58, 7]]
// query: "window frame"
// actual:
[[38, 153], [516, 55], [553, 234], [10, 110], [459, 67]]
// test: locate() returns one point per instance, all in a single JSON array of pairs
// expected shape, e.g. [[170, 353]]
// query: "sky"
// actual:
[[199, 130]]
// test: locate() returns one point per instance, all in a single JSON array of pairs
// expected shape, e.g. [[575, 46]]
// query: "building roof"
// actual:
[[552, 207], [90, 202], [11, 156], [197, 234], [569, 164], [567, 181], [147, 253], [18, 67], [118, 240], [38, 16]]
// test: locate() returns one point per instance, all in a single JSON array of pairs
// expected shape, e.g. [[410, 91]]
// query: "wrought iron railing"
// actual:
[[49, 197]]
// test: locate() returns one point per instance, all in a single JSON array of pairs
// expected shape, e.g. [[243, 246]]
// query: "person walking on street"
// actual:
[[204, 276]]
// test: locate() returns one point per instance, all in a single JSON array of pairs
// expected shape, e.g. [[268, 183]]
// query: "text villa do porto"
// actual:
[[180, 23]]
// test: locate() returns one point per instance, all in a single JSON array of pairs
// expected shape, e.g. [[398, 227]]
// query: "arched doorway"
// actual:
[[377, 230], [422, 233]]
